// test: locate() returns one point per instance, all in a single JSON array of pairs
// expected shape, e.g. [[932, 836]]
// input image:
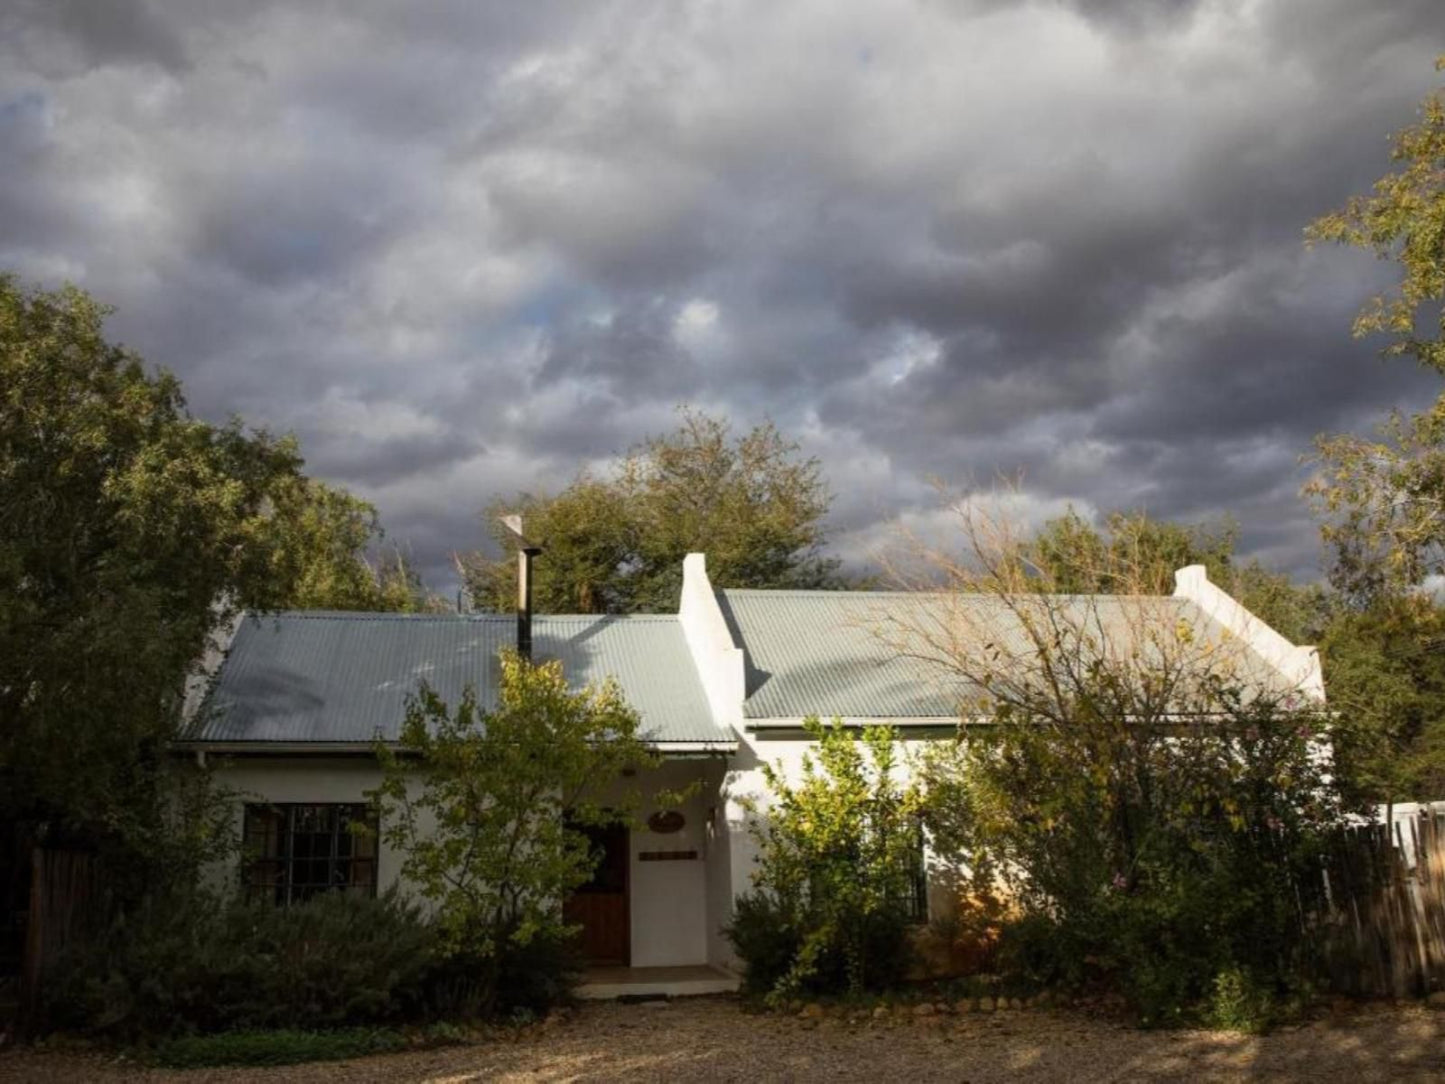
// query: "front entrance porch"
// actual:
[[662, 890], [599, 907], [603, 983]]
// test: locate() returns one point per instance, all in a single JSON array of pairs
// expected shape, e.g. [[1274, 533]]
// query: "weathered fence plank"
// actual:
[[65, 906], [1381, 930]]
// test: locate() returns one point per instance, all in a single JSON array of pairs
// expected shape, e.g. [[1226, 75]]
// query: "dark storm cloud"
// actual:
[[70, 36], [463, 248]]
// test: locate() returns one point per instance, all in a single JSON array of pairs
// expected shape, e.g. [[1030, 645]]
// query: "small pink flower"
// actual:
[[1119, 882]]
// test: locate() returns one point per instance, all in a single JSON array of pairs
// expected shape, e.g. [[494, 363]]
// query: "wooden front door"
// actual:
[[600, 906]]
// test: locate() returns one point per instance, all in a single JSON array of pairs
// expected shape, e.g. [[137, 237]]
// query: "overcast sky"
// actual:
[[463, 248]]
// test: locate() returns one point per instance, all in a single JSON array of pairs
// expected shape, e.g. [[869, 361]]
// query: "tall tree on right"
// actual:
[[1381, 499]]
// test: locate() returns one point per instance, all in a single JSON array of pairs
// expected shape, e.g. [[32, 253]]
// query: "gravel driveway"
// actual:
[[712, 1039]]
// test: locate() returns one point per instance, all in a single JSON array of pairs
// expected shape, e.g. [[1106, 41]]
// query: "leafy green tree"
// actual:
[[1381, 505], [839, 854], [129, 529], [325, 532], [615, 544], [1128, 781], [1404, 222], [1131, 548], [400, 587], [1135, 553], [325, 536], [486, 806], [1385, 671], [591, 561], [1380, 499]]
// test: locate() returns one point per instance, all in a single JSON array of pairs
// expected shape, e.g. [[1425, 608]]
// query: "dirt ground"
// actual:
[[713, 1039]]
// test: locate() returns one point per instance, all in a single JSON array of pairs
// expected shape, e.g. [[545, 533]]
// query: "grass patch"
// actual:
[[281, 1046]]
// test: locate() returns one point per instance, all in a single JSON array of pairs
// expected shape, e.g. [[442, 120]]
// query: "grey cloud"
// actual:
[[64, 37], [467, 248]]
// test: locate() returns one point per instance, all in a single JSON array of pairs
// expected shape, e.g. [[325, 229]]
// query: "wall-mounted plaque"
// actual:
[[666, 856], [665, 822]]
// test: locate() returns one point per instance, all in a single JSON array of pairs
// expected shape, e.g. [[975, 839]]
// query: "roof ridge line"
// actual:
[[823, 593], [394, 615]]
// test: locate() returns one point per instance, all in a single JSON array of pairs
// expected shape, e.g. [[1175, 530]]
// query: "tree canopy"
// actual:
[[1133, 552], [1403, 221], [130, 531], [615, 544], [1131, 549], [1383, 500], [490, 807], [325, 535]]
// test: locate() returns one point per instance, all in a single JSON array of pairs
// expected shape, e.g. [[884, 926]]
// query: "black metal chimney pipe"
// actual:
[[524, 600]]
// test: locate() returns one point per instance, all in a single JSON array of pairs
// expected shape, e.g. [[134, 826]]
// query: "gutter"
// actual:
[[792, 726], [782, 727], [200, 748]]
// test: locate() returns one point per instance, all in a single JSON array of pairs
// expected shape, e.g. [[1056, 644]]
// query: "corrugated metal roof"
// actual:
[[345, 677], [869, 655]]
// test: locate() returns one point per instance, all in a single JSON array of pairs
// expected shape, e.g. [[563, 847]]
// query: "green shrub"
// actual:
[[838, 855], [528, 977], [280, 1046], [1238, 1003], [764, 938], [1143, 856], [193, 964], [510, 788]]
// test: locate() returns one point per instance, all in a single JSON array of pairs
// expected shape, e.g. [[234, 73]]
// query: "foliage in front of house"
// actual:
[[130, 530], [838, 854], [502, 856], [485, 806], [1174, 863], [193, 963]]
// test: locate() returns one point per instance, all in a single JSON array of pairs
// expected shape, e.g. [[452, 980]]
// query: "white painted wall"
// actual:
[[718, 869], [719, 661], [301, 779], [669, 907], [1300, 665], [668, 900]]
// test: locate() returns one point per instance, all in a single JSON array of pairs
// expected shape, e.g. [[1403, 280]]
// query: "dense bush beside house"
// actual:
[[1176, 865], [496, 853], [838, 877], [196, 963]]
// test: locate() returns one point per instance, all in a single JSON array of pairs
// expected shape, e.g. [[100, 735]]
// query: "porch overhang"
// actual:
[[684, 750]]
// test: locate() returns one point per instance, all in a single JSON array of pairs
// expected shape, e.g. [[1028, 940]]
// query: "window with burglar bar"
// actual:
[[295, 851], [912, 894]]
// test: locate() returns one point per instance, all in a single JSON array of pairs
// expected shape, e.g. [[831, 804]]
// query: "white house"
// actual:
[[722, 686]]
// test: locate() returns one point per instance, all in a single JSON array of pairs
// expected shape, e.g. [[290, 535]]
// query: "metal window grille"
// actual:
[[918, 880], [295, 851]]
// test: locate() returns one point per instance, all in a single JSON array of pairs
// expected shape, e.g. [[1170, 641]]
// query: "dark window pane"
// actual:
[[295, 851]]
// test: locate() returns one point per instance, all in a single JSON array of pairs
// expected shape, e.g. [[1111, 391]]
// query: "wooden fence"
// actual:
[[66, 905], [1381, 930]]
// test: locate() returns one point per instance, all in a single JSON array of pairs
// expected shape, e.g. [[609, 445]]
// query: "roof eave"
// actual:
[[187, 746]]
